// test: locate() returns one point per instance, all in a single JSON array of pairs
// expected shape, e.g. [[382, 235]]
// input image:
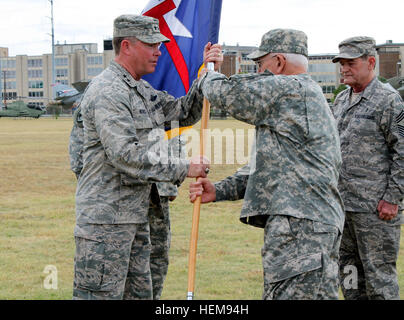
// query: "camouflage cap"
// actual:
[[356, 47], [144, 28], [281, 41]]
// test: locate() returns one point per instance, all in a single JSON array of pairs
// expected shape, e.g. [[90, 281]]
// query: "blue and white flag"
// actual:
[[189, 24]]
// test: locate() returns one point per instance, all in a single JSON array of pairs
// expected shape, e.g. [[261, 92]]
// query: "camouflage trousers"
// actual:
[[127, 261], [160, 236], [300, 259], [112, 262], [368, 256]]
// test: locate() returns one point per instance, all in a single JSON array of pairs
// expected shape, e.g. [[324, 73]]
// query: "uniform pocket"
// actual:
[[90, 265], [319, 227], [142, 122], [283, 269], [134, 198], [278, 226]]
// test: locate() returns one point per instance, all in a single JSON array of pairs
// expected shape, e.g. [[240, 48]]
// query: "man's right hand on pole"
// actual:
[[199, 167], [204, 188], [387, 211]]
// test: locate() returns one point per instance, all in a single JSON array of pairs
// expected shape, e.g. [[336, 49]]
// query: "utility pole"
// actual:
[[1, 78], [5, 90], [53, 52]]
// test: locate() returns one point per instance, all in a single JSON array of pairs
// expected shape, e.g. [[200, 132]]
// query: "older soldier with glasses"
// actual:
[[123, 120], [370, 121], [290, 186]]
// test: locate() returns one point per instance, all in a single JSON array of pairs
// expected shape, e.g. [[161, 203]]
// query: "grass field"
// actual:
[[37, 220]]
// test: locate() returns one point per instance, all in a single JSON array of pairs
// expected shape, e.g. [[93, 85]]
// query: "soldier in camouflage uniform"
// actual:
[[290, 185], [123, 132], [160, 234], [370, 120]]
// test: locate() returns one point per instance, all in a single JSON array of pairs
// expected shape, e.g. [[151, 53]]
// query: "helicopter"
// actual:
[[21, 109], [398, 84]]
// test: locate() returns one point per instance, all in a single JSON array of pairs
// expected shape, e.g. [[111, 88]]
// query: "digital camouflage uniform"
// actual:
[[371, 131], [123, 158], [160, 234], [290, 185]]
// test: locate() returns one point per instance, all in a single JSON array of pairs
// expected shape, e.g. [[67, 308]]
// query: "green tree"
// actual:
[[381, 79], [341, 88]]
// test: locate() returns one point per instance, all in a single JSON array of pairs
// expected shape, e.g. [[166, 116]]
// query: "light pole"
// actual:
[[5, 89], [53, 52], [1, 78]]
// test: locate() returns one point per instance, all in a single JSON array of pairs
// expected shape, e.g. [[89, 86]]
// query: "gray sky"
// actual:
[[25, 24]]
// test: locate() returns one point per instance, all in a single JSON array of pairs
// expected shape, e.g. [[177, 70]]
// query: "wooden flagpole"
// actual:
[[197, 203]]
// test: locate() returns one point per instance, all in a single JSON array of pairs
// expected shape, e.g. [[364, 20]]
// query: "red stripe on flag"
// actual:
[[172, 47]]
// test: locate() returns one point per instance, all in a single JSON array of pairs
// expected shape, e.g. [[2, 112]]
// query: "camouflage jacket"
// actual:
[[372, 145], [294, 169], [123, 150], [176, 146]]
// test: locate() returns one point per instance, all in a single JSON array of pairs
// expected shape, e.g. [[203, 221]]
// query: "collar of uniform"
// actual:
[[369, 90], [124, 74]]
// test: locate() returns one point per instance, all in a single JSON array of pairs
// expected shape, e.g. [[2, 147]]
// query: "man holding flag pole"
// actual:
[[122, 115], [290, 187], [189, 24]]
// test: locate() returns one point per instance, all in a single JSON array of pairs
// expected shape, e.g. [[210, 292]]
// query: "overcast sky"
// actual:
[[25, 24]]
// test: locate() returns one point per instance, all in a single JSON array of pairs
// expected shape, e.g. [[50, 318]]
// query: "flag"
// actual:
[[189, 24]]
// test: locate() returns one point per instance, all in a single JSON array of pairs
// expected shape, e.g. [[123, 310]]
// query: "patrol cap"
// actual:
[[281, 41], [356, 47], [144, 28]]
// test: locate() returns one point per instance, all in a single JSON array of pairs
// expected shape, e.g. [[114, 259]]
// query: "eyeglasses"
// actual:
[[260, 62], [152, 46]]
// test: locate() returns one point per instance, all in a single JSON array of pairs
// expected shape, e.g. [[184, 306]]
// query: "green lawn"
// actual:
[[37, 220]]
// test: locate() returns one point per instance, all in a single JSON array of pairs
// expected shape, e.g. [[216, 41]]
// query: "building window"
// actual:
[[244, 57], [248, 68], [10, 85], [61, 62], [35, 84], [9, 95], [94, 60], [61, 73], [6, 63], [321, 67], [35, 74], [35, 94], [65, 82], [8, 74], [328, 89], [34, 63]]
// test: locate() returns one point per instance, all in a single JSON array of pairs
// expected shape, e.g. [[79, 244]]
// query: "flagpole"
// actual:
[[198, 201]]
